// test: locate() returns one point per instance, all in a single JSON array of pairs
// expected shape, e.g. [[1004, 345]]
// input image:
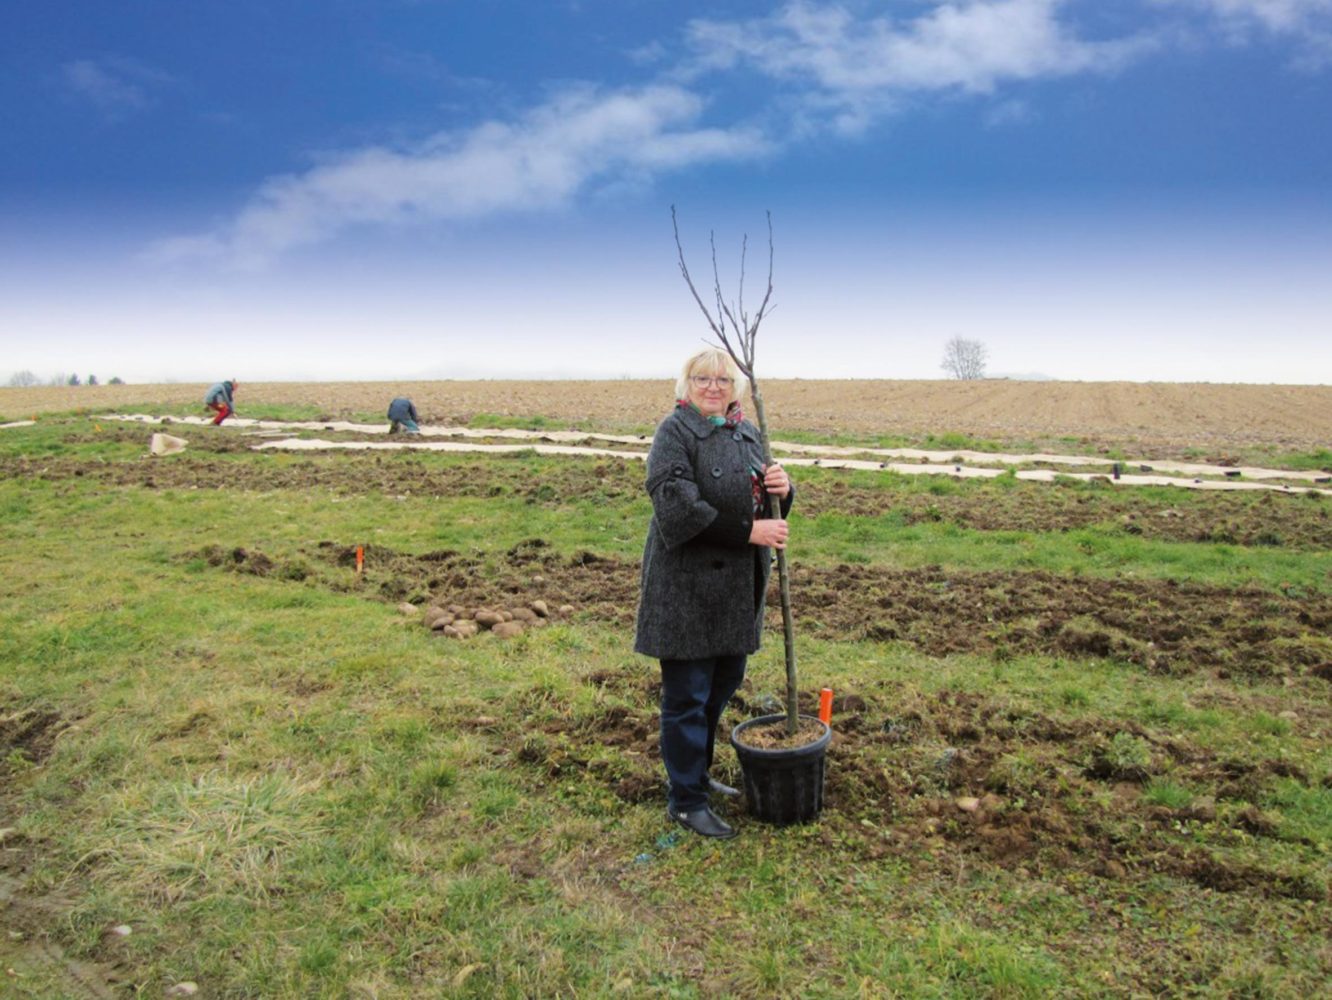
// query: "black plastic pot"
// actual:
[[782, 785]]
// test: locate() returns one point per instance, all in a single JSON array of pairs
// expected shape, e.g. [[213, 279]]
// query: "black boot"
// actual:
[[703, 821]]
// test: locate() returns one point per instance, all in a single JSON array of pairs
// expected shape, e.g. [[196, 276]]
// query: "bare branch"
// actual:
[[744, 249], [767, 296], [684, 270], [717, 293], [734, 327]]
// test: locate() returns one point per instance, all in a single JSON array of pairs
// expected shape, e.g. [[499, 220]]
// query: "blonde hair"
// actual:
[[712, 361]]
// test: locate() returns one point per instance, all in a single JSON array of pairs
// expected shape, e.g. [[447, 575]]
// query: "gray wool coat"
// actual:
[[703, 585]]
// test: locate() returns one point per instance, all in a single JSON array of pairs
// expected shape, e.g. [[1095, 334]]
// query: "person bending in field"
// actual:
[[221, 400], [402, 417], [717, 514]]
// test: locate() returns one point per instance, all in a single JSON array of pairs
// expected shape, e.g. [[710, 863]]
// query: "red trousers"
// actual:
[[223, 411]]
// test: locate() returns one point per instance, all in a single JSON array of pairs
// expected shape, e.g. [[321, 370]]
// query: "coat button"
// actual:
[[735, 436], [716, 472]]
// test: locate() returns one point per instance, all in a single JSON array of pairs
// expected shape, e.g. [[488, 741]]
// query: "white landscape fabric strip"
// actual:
[[315, 444], [950, 459], [18, 423], [266, 426], [906, 468], [993, 458]]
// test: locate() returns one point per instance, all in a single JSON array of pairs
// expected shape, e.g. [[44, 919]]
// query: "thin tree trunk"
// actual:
[[783, 577]]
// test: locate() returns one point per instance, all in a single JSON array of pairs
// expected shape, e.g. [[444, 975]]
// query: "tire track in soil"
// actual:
[[30, 732]]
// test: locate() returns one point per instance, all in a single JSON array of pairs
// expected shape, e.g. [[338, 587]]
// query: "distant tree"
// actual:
[[23, 379], [73, 380], [964, 359], [92, 379], [116, 380]]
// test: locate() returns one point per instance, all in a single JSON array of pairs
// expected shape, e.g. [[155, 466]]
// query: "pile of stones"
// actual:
[[456, 621]]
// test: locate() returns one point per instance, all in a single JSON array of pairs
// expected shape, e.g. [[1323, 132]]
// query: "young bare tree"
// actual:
[[23, 379], [964, 359], [736, 330]]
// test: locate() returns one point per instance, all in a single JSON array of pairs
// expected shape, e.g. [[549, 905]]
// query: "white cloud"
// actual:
[[862, 62], [1275, 15], [116, 86], [1307, 24], [824, 65], [581, 138]]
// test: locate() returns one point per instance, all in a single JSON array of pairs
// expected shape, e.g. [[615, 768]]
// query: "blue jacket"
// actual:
[[220, 393], [703, 584], [402, 409]]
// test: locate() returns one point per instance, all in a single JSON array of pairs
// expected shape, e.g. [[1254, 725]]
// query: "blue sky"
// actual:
[[411, 189]]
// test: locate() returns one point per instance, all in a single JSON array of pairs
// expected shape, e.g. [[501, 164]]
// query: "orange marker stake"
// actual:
[[825, 706], [360, 558]]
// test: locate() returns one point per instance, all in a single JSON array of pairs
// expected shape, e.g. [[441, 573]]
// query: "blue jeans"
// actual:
[[693, 695], [404, 425]]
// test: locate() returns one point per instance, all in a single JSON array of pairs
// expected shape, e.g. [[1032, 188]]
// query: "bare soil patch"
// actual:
[[27, 738], [27, 734], [1158, 625], [942, 779]]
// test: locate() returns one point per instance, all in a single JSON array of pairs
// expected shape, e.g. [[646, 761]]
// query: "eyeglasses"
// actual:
[[703, 381]]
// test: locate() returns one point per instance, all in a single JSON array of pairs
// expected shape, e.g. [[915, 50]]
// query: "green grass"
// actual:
[[280, 411], [1319, 460], [496, 420], [500, 522], [1306, 813], [288, 791], [1104, 552], [952, 441], [1164, 792]]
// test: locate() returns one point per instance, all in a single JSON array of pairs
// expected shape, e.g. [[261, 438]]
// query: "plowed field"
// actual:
[[1155, 419]]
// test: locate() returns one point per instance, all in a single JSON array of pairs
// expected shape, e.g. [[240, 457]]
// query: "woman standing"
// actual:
[[705, 571]]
